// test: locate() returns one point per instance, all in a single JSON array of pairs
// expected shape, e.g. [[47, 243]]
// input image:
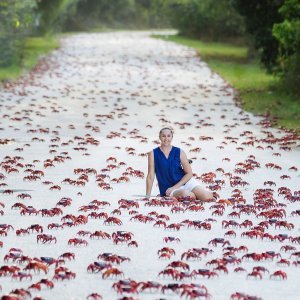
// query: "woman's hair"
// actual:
[[169, 128]]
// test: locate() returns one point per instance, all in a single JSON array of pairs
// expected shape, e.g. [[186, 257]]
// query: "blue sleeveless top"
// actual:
[[168, 171]]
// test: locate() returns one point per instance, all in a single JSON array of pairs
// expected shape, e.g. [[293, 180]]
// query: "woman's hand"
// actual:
[[169, 191]]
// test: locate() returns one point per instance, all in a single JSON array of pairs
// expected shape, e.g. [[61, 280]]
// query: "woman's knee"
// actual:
[[202, 194], [208, 196], [184, 193]]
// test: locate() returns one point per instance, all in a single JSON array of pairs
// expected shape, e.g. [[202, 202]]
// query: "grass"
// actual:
[[259, 93], [35, 47]]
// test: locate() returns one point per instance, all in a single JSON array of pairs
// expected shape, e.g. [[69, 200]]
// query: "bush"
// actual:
[[16, 19], [52, 14], [288, 35], [211, 19]]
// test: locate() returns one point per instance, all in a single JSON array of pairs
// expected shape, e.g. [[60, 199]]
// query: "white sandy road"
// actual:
[[120, 89]]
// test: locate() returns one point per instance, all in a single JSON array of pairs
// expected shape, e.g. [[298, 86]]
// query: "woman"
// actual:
[[173, 171]]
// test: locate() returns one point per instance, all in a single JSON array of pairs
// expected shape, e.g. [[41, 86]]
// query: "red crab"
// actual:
[[21, 275], [132, 244], [246, 223], [149, 285], [6, 227], [55, 187], [17, 294], [195, 253], [204, 273], [283, 262], [97, 267], [221, 268], [231, 223], [8, 270], [217, 212], [48, 283], [239, 270], [77, 242], [160, 223], [166, 250], [254, 256], [50, 261], [295, 213], [296, 254], [45, 238], [18, 205], [179, 264], [126, 286], [174, 287], [287, 248], [100, 235], [230, 233], [260, 269], [234, 214], [113, 258], [64, 202], [173, 226], [174, 274], [24, 196], [64, 275], [243, 296], [278, 275], [13, 256], [29, 210], [8, 192], [55, 226], [255, 274], [35, 228], [194, 293], [112, 272], [123, 235], [217, 241], [35, 286], [112, 221], [94, 296], [36, 266], [165, 255], [67, 255], [177, 209]]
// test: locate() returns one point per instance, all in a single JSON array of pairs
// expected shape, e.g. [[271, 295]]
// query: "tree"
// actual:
[[287, 34], [52, 14], [260, 16], [117, 14], [205, 18]]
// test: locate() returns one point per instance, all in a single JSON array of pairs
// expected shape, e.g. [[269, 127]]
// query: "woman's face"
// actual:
[[166, 137]]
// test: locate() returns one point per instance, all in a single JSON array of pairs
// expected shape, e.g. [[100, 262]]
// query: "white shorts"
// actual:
[[190, 185]]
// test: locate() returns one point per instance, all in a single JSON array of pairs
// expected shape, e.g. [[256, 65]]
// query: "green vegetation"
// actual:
[[16, 23], [274, 28], [260, 93], [51, 15], [288, 35], [34, 48], [117, 14], [209, 50], [205, 19], [259, 18]]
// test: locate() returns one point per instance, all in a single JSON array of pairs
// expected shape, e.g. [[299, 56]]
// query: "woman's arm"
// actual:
[[187, 170], [151, 173]]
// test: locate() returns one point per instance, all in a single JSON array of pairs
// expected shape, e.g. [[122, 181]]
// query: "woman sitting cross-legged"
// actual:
[[173, 171]]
